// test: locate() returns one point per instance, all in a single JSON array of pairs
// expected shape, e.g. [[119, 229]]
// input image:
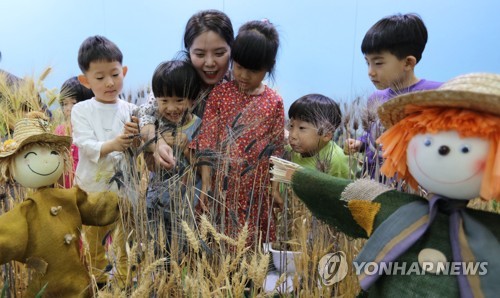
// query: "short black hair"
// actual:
[[401, 34], [317, 109], [97, 48], [73, 88], [256, 46], [176, 78]]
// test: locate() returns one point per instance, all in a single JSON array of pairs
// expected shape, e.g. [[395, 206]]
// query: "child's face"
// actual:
[[105, 79], [304, 137], [248, 80], [386, 71], [173, 108], [210, 57], [67, 105]]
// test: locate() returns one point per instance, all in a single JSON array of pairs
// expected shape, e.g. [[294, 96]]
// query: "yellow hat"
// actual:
[[33, 128], [476, 91]]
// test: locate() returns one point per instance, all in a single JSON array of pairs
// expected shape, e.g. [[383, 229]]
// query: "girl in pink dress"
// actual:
[[71, 93], [242, 126]]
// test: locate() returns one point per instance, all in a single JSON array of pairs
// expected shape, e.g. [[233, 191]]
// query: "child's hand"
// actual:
[[205, 192], [278, 200], [352, 146], [122, 142], [132, 130], [203, 202], [132, 127]]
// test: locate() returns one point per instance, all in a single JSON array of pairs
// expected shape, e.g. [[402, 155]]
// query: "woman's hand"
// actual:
[[164, 155], [178, 140]]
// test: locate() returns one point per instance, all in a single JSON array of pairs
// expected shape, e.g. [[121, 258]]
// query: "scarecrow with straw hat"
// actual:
[[44, 230], [447, 142]]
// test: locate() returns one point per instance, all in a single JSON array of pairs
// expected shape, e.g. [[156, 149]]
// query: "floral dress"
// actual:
[[239, 132]]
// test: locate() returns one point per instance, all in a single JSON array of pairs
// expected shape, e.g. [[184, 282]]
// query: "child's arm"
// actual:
[[370, 114], [129, 138], [120, 144], [178, 140], [278, 200], [84, 136], [162, 152], [147, 134], [206, 181], [353, 145]]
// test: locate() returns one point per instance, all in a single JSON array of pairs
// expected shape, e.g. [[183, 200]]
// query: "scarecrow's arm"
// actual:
[[97, 209], [354, 207], [14, 233]]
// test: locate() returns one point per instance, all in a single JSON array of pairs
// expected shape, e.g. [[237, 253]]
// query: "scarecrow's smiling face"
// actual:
[[445, 164], [37, 166]]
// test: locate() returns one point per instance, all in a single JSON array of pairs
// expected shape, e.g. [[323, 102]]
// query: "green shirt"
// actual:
[[331, 160]]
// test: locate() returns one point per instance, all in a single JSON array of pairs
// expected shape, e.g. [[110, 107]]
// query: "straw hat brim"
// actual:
[[393, 110], [44, 137]]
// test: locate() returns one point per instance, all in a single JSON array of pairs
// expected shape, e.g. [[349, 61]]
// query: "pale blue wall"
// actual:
[[320, 38]]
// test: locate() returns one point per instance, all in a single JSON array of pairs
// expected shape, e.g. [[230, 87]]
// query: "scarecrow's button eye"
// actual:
[[54, 152], [465, 149], [427, 142]]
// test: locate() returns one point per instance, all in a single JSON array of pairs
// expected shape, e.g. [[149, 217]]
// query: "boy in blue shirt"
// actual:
[[392, 48], [176, 87]]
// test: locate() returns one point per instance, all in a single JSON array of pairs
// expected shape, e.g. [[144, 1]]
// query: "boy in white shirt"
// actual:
[[103, 127]]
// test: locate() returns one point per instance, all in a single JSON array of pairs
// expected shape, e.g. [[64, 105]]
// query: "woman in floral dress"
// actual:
[[242, 126]]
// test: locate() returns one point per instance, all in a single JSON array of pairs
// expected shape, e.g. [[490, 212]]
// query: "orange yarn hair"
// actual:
[[422, 120]]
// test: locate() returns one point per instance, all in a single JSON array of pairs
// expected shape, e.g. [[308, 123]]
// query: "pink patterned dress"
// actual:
[[242, 131]]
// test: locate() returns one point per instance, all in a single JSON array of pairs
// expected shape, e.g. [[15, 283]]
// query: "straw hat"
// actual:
[[475, 91], [33, 128]]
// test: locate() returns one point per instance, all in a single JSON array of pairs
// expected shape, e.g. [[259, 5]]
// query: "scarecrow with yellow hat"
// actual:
[[44, 230], [447, 141]]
